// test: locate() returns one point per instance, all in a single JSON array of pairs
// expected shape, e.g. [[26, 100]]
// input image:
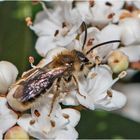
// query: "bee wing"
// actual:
[[38, 84]]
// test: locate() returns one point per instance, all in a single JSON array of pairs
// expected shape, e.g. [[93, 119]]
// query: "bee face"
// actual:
[[82, 57], [84, 61]]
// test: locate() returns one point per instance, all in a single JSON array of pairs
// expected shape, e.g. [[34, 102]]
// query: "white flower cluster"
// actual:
[[60, 29]]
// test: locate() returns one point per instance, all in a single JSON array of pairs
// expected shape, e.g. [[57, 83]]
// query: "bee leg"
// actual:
[[52, 102], [78, 91], [54, 97]]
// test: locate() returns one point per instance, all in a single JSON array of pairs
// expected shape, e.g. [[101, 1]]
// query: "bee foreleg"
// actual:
[[77, 85]]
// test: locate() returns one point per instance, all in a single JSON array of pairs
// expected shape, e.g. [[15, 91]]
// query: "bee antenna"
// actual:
[[85, 37], [101, 44]]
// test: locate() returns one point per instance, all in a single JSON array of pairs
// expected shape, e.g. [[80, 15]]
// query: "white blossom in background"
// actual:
[[132, 92], [132, 51], [8, 75], [99, 13], [130, 31]]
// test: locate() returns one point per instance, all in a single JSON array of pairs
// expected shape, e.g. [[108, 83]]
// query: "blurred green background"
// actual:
[[17, 44]]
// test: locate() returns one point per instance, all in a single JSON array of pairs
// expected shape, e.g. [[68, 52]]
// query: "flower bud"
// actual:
[[118, 61], [8, 75], [16, 133]]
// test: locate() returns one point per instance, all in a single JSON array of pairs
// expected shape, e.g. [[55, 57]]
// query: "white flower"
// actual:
[[99, 13], [95, 36], [132, 51], [59, 125], [95, 88], [8, 117], [132, 92], [8, 75], [130, 31], [57, 27], [98, 92]]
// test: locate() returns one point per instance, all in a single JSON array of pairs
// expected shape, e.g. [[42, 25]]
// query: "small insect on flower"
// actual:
[[61, 75]]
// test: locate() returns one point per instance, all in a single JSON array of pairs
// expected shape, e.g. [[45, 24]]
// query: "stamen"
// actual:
[[98, 60], [52, 123], [66, 116], [108, 4], [64, 24], [122, 74], [92, 75], [90, 42], [31, 61], [36, 112], [29, 21], [110, 16], [56, 33], [109, 93], [32, 122], [91, 3]]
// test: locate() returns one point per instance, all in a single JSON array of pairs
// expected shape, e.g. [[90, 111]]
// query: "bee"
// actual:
[[61, 75]]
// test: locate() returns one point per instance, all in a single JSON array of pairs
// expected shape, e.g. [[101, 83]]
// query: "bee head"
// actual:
[[84, 61], [81, 57]]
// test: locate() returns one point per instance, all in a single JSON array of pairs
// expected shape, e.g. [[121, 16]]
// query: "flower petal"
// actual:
[[8, 117], [42, 26], [91, 34], [69, 133], [84, 99], [117, 101], [70, 99], [24, 121], [37, 134], [133, 52], [129, 35], [100, 81], [74, 116], [44, 44], [83, 8], [65, 40], [132, 92]]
